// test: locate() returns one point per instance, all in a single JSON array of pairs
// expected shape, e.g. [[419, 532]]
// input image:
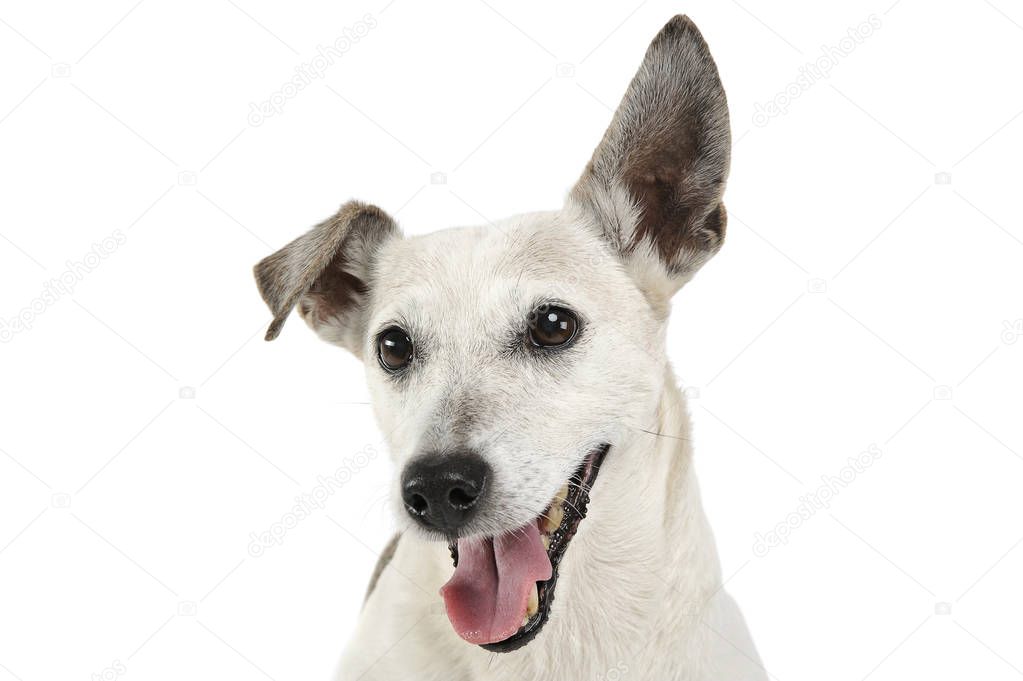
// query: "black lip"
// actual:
[[575, 510]]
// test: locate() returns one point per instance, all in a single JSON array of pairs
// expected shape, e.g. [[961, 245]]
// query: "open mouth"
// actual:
[[501, 594]]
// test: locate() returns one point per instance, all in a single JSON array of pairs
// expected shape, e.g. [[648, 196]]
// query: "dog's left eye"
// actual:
[[550, 326]]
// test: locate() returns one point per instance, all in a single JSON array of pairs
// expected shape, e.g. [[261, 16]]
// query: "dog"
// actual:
[[551, 523]]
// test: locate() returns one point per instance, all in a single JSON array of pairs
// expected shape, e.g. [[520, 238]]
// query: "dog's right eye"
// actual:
[[394, 349]]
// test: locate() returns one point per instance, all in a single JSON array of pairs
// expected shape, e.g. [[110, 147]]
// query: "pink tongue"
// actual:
[[486, 597]]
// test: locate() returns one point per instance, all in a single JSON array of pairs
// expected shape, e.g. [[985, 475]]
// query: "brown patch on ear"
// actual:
[[336, 289], [324, 271], [668, 147], [674, 213]]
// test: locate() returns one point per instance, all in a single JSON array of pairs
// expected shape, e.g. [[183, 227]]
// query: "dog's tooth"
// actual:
[[554, 517], [546, 539], [533, 605]]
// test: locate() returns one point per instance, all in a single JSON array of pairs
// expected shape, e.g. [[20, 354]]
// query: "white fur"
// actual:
[[640, 584]]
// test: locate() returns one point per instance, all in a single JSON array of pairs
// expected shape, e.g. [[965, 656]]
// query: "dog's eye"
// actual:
[[394, 348], [550, 326]]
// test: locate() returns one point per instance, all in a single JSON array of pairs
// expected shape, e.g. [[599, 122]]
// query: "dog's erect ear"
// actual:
[[655, 182], [326, 273]]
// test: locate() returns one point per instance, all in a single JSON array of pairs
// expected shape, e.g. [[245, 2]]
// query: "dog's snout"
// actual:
[[443, 491]]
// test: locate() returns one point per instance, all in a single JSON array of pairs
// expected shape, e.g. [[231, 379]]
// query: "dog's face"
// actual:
[[506, 361], [476, 304]]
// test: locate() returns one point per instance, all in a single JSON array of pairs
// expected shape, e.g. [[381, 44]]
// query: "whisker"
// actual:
[[574, 507], [656, 434], [580, 486]]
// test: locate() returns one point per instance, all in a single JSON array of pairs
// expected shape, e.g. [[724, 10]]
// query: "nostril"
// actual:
[[417, 504], [461, 499]]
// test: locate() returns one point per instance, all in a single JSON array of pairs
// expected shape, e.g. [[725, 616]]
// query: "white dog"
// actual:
[[519, 372]]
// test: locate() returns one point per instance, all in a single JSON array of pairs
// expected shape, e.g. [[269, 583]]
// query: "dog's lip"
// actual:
[[575, 505]]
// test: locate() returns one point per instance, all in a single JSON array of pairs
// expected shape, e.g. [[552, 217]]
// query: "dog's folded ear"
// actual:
[[326, 273], [655, 182]]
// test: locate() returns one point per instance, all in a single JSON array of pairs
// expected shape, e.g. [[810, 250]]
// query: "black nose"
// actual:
[[443, 491]]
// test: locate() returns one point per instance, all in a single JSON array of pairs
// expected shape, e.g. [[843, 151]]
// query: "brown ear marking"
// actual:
[[323, 270], [668, 146]]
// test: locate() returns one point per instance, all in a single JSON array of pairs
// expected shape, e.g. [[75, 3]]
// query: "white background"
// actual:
[[862, 298]]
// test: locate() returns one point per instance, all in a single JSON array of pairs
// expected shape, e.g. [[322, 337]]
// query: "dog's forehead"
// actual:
[[535, 254]]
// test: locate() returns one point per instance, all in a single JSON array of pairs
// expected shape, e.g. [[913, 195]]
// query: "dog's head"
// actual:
[[504, 361]]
